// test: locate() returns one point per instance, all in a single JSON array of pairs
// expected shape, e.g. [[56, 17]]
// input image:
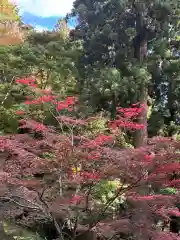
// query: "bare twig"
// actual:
[[8, 92]]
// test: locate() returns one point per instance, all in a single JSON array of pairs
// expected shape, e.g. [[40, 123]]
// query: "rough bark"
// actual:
[[140, 53], [141, 136]]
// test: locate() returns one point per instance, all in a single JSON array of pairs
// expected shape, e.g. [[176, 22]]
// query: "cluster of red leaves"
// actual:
[[175, 183], [85, 176], [33, 125], [127, 117], [43, 99], [27, 81], [132, 112], [125, 120], [76, 199], [98, 141], [71, 121], [67, 104], [20, 112]]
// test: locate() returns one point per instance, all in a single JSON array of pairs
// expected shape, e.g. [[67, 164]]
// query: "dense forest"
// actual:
[[90, 123]]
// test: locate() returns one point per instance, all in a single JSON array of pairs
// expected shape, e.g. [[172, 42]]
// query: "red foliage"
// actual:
[[98, 141], [78, 164], [175, 183], [26, 81], [67, 104], [127, 117], [128, 165], [71, 121], [20, 112], [37, 127], [76, 199]]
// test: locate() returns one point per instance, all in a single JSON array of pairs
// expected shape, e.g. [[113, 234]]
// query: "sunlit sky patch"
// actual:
[[43, 14]]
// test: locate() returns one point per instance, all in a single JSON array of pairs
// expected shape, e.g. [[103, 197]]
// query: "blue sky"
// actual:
[[43, 14]]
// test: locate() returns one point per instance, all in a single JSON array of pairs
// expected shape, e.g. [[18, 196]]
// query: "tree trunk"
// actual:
[[171, 100], [174, 224], [140, 53], [113, 107], [141, 135]]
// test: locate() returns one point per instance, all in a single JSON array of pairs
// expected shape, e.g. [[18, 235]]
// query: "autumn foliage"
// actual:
[[72, 166]]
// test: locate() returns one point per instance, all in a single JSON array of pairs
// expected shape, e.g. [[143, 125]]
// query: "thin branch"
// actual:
[[87, 196], [60, 182], [8, 92], [58, 228]]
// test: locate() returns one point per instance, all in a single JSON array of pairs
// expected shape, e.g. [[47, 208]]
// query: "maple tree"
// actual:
[[58, 172]]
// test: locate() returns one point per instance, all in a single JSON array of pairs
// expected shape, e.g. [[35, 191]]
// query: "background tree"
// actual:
[[47, 56], [124, 35], [10, 32]]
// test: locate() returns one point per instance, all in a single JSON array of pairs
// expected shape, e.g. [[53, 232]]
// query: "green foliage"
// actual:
[[106, 187], [97, 126], [110, 67], [19, 233], [13, 62], [47, 56], [13, 94], [48, 155], [53, 61], [106, 190], [8, 121], [123, 141], [168, 191], [100, 126]]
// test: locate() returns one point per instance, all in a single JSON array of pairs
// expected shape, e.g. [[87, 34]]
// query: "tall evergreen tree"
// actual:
[[122, 35]]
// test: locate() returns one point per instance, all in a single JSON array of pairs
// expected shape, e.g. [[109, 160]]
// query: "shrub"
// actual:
[[68, 181]]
